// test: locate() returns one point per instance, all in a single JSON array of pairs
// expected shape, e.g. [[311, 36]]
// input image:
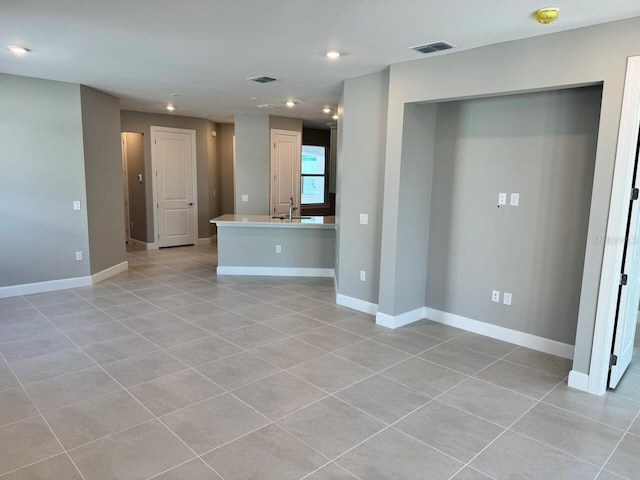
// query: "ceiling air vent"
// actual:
[[262, 79], [268, 105], [432, 47]]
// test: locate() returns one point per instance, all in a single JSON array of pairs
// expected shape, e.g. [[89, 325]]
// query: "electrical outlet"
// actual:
[[515, 199], [278, 248], [364, 219], [363, 276], [245, 198], [507, 299], [76, 204], [502, 199], [495, 296], [79, 255]]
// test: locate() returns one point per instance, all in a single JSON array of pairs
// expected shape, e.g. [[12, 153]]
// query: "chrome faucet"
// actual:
[[291, 208]]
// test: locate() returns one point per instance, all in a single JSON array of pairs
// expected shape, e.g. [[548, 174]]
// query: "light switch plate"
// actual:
[[502, 199], [363, 276], [515, 199], [364, 219], [76, 205], [507, 298], [79, 255], [278, 248], [245, 198]]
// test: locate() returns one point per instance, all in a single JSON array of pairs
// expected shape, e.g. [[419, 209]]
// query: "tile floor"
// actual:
[[170, 372]]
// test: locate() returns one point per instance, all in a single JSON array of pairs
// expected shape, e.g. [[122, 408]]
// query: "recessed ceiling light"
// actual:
[[18, 50], [171, 108], [335, 117], [205, 114], [326, 110], [333, 54], [290, 103]]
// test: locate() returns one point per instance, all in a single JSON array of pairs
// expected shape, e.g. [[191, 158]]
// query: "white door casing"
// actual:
[[125, 184], [286, 149], [174, 186], [627, 317]]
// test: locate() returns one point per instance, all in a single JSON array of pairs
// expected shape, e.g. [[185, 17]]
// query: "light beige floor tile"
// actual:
[[425, 377], [214, 422], [262, 313], [434, 329], [26, 442], [96, 418], [26, 330], [330, 313], [143, 368], [274, 454], [544, 362], [113, 300], [278, 395], [135, 454], [513, 454], [98, 333], [488, 401], [32, 347], [224, 322], [153, 321], [119, 348], [253, 336], [72, 388], [54, 468], [331, 426], [134, 309], [50, 298], [238, 370], [363, 325], [58, 309], [197, 311], [175, 301], [192, 470], [172, 392], [391, 454], [80, 319], [12, 304], [450, 430], [288, 352], [38, 368], [15, 405], [523, 380], [329, 338], [458, 358], [205, 350], [331, 472], [407, 341], [383, 398], [626, 461], [482, 344], [470, 474], [329, 372], [297, 303], [372, 355], [572, 434], [166, 337], [293, 324]]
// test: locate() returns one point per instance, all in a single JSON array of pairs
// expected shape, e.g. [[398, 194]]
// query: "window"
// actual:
[[314, 174]]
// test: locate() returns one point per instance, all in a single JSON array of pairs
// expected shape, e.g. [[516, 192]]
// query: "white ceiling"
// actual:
[[147, 51]]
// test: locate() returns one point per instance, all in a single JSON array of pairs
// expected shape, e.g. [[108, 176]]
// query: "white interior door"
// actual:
[[627, 317], [285, 170], [125, 185], [175, 189]]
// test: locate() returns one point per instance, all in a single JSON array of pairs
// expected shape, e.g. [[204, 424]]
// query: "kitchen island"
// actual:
[[264, 245]]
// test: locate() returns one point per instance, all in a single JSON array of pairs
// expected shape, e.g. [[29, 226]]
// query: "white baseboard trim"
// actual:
[[579, 381], [147, 246], [277, 271], [357, 304], [109, 272], [63, 283], [205, 241], [501, 333], [395, 321], [41, 287]]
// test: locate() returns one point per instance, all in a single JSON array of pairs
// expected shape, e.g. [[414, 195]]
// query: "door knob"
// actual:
[[191, 204]]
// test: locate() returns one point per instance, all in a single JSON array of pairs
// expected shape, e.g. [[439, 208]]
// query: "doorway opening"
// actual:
[[134, 185]]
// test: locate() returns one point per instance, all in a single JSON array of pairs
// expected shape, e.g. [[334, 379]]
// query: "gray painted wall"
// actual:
[[542, 146], [137, 190], [256, 247], [253, 166], [42, 174], [361, 147], [141, 122], [404, 291], [581, 56], [103, 178], [284, 123], [226, 172]]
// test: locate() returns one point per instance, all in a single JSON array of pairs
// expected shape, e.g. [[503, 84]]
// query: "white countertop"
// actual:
[[268, 221]]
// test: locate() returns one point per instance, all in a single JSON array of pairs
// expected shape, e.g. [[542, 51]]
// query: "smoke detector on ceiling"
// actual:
[[262, 79], [433, 47]]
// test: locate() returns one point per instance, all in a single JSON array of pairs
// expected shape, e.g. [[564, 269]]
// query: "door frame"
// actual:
[[597, 380], [298, 135], [125, 174], [154, 172]]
